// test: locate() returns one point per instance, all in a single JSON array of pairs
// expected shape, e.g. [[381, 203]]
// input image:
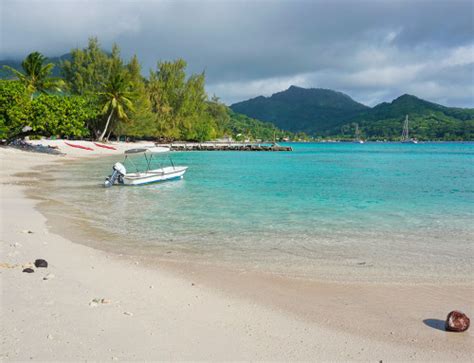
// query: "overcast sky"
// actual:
[[372, 50]]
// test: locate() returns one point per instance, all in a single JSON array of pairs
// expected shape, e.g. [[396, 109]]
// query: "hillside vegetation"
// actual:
[[297, 109], [326, 113]]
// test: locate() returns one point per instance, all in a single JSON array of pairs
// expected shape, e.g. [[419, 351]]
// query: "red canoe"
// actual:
[[79, 146], [105, 146]]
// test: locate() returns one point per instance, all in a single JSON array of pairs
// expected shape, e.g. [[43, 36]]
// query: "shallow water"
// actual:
[[373, 212]]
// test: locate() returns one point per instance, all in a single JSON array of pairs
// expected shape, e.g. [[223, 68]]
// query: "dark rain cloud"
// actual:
[[373, 50]]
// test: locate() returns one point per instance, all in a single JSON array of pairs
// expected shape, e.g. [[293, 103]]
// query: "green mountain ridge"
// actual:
[[327, 113], [328, 108]]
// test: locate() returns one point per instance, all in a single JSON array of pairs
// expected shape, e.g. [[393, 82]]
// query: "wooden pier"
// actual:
[[225, 147]]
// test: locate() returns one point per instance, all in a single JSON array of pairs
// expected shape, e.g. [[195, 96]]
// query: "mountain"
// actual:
[[321, 112], [16, 63], [428, 120], [298, 109]]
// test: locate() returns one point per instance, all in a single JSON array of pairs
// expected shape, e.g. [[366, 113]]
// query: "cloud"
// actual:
[[374, 50]]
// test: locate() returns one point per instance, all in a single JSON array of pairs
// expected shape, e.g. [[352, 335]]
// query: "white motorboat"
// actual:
[[149, 175]]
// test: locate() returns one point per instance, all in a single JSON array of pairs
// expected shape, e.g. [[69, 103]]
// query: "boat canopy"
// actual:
[[148, 150]]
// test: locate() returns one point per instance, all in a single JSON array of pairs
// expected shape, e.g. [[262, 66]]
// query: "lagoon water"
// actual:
[[371, 212]]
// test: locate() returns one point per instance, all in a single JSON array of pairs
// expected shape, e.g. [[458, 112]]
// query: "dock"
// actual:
[[210, 146]]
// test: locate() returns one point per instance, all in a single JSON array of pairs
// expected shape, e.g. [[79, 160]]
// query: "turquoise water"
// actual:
[[389, 212]]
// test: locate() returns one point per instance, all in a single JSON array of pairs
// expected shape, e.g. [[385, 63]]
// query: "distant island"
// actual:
[[330, 114]]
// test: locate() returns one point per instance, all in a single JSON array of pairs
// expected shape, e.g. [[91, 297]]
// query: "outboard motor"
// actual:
[[118, 172]]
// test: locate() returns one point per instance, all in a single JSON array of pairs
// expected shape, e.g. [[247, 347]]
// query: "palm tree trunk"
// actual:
[[106, 126]]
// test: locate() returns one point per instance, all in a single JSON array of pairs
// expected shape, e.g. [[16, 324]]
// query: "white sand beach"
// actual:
[[95, 305]]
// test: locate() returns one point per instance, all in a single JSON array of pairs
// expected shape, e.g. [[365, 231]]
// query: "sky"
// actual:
[[372, 50]]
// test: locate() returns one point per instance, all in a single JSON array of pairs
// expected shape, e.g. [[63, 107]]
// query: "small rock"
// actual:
[[95, 302], [28, 270], [27, 231], [50, 337], [127, 313], [192, 283], [49, 277], [457, 321], [151, 286], [16, 245], [41, 263]]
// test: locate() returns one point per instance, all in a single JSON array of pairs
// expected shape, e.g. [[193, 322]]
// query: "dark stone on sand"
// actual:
[[457, 321], [41, 263], [28, 270]]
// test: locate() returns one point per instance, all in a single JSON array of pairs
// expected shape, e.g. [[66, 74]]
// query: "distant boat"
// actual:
[[405, 136], [357, 135]]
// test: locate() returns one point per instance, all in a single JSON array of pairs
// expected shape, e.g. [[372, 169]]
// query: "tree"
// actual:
[[141, 120], [44, 115], [36, 75], [61, 115], [14, 108], [89, 68], [180, 103], [116, 98]]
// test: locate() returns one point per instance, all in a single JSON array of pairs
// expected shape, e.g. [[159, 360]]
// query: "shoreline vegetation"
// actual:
[[100, 96]]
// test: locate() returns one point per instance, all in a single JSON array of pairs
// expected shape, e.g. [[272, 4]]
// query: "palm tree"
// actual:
[[36, 75], [117, 98]]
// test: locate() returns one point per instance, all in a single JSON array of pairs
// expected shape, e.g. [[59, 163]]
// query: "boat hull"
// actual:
[[154, 176]]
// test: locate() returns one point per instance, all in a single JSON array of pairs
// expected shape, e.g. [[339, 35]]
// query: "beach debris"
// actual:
[[49, 277], [23, 145], [127, 313], [50, 337], [457, 321], [27, 231], [16, 245], [28, 270], [6, 265], [99, 301], [41, 263]]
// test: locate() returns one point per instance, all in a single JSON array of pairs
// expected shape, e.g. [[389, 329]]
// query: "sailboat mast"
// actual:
[[405, 129]]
